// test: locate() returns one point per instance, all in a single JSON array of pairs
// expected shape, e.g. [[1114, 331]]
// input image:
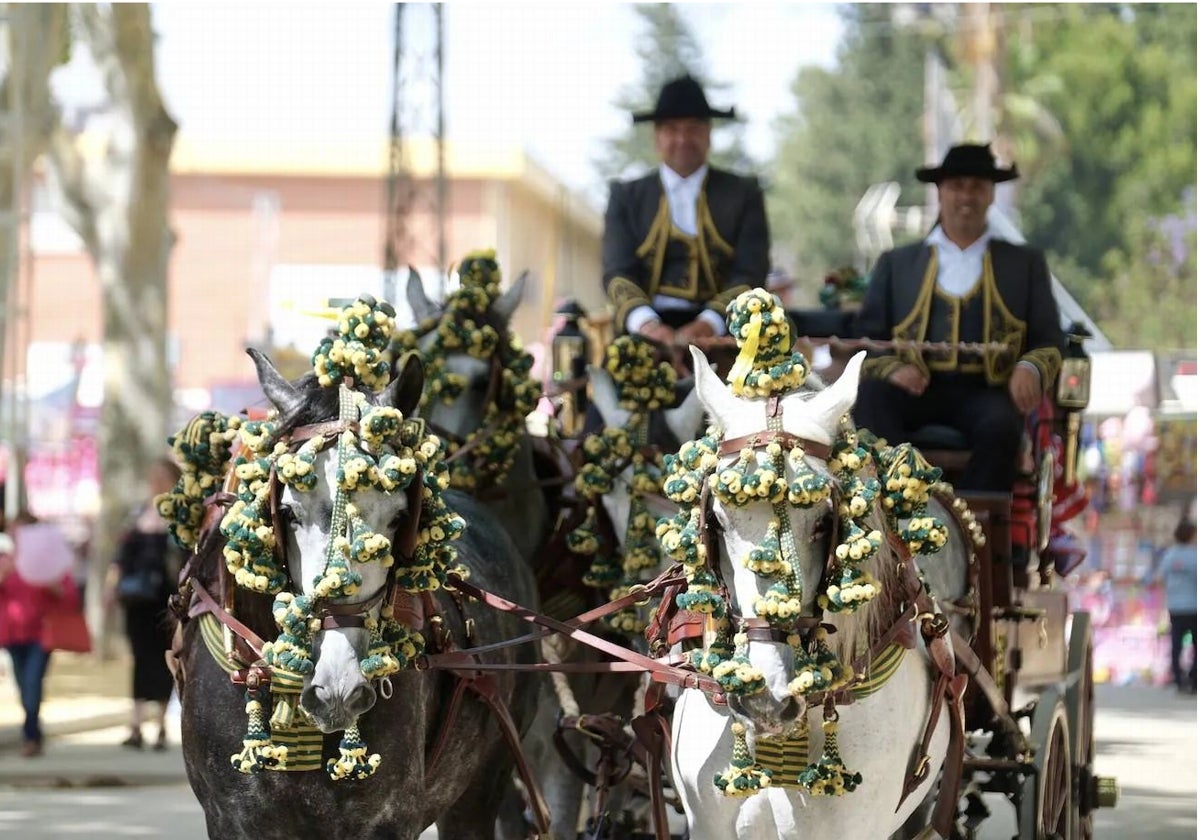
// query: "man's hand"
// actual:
[[910, 379], [658, 331], [1025, 388], [690, 332]]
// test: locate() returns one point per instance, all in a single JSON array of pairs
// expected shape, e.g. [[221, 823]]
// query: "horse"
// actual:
[[439, 753], [783, 679], [659, 430], [476, 413]]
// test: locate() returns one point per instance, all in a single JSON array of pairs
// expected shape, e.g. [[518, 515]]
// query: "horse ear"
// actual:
[[686, 419], [828, 406], [282, 394], [422, 307], [717, 399], [404, 391], [606, 399], [507, 303]]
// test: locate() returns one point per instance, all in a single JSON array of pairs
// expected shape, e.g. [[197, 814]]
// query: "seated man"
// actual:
[[682, 242], [962, 284]]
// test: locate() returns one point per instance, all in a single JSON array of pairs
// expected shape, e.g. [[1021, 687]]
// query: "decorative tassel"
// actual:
[[285, 690], [818, 671], [353, 763], [743, 777], [828, 776], [257, 752]]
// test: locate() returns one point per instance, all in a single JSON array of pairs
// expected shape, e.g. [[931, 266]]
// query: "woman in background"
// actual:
[[24, 608], [145, 577]]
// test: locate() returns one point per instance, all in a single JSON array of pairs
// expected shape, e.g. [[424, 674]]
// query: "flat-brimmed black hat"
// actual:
[[680, 99], [973, 160]]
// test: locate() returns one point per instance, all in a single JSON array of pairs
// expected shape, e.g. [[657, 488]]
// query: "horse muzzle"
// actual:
[[769, 715], [334, 708]]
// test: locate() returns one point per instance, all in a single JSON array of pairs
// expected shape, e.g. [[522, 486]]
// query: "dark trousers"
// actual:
[[30, 661], [984, 415], [1181, 625]]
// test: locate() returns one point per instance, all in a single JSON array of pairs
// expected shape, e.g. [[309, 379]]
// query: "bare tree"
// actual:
[[117, 201], [36, 36]]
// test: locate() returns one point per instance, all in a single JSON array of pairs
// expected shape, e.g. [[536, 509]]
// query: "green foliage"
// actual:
[[853, 126], [667, 49], [1097, 106]]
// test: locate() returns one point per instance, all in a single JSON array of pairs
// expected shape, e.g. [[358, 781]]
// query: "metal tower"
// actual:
[[417, 112]]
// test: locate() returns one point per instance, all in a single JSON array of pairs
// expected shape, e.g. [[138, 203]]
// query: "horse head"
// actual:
[[776, 511], [334, 520], [664, 430], [469, 341]]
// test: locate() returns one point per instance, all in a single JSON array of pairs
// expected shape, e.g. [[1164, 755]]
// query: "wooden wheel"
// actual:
[[1045, 810], [1081, 714]]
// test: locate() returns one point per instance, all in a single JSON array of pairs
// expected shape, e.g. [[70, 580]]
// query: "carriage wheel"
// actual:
[[1081, 713], [1045, 810]]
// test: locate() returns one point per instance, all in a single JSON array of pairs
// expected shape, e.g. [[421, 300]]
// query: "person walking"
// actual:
[[25, 609], [1177, 573], [145, 567]]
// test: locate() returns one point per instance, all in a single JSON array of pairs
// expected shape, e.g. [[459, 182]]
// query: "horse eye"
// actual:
[[822, 528], [479, 386]]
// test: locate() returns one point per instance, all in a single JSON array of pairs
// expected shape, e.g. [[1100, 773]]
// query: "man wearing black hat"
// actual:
[[962, 284], [682, 242]]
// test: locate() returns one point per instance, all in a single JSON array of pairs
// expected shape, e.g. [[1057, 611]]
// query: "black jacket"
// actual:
[[645, 254], [1014, 306]]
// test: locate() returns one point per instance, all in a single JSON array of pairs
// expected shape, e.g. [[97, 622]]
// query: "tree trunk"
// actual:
[[36, 35], [119, 207]]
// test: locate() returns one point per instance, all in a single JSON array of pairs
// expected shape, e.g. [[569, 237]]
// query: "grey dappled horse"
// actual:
[[405, 795], [516, 501]]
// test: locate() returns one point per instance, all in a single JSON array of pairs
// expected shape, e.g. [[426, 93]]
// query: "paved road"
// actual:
[[1145, 736]]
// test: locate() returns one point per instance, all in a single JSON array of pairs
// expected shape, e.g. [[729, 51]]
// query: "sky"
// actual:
[[541, 75]]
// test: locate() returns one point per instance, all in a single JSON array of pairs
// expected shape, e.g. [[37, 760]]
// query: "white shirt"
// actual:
[[958, 268], [682, 195]]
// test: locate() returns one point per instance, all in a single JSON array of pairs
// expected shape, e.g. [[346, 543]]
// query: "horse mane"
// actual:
[[856, 631]]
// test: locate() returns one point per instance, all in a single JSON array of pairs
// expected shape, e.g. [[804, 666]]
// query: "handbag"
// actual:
[[66, 629], [142, 585]]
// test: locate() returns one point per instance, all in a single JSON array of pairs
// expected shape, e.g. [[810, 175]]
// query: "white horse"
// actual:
[[879, 734]]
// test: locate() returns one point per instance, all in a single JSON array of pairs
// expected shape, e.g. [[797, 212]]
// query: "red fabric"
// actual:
[[23, 606], [66, 629]]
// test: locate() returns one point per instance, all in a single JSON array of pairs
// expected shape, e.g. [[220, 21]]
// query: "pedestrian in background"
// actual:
[[144, 573], [26, 608], [1176, 570]]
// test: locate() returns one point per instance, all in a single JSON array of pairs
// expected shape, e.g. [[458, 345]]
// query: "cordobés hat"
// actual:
[[969, 159], [681, 98]]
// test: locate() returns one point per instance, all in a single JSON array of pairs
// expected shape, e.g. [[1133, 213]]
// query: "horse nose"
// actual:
[[789, 711], [361, 700]]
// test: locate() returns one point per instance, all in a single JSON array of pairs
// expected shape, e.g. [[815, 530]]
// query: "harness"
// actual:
[[871, 668]]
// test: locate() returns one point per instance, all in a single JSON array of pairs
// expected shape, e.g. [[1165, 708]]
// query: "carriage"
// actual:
[[432, 626]]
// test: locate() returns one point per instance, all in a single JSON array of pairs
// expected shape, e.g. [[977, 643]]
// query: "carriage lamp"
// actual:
[[570, 351], [1074, 390]]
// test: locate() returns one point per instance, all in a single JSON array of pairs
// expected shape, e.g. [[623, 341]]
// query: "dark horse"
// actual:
[[408, 726]]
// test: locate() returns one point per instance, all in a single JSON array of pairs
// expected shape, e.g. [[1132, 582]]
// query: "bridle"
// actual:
[[755, 628], [337, 614]]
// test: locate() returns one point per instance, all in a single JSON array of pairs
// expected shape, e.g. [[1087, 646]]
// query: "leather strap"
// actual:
[[485, 687], [659, 671], [669, 579], [787, 440], [332, 428], [654, 733], [222, 615]]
